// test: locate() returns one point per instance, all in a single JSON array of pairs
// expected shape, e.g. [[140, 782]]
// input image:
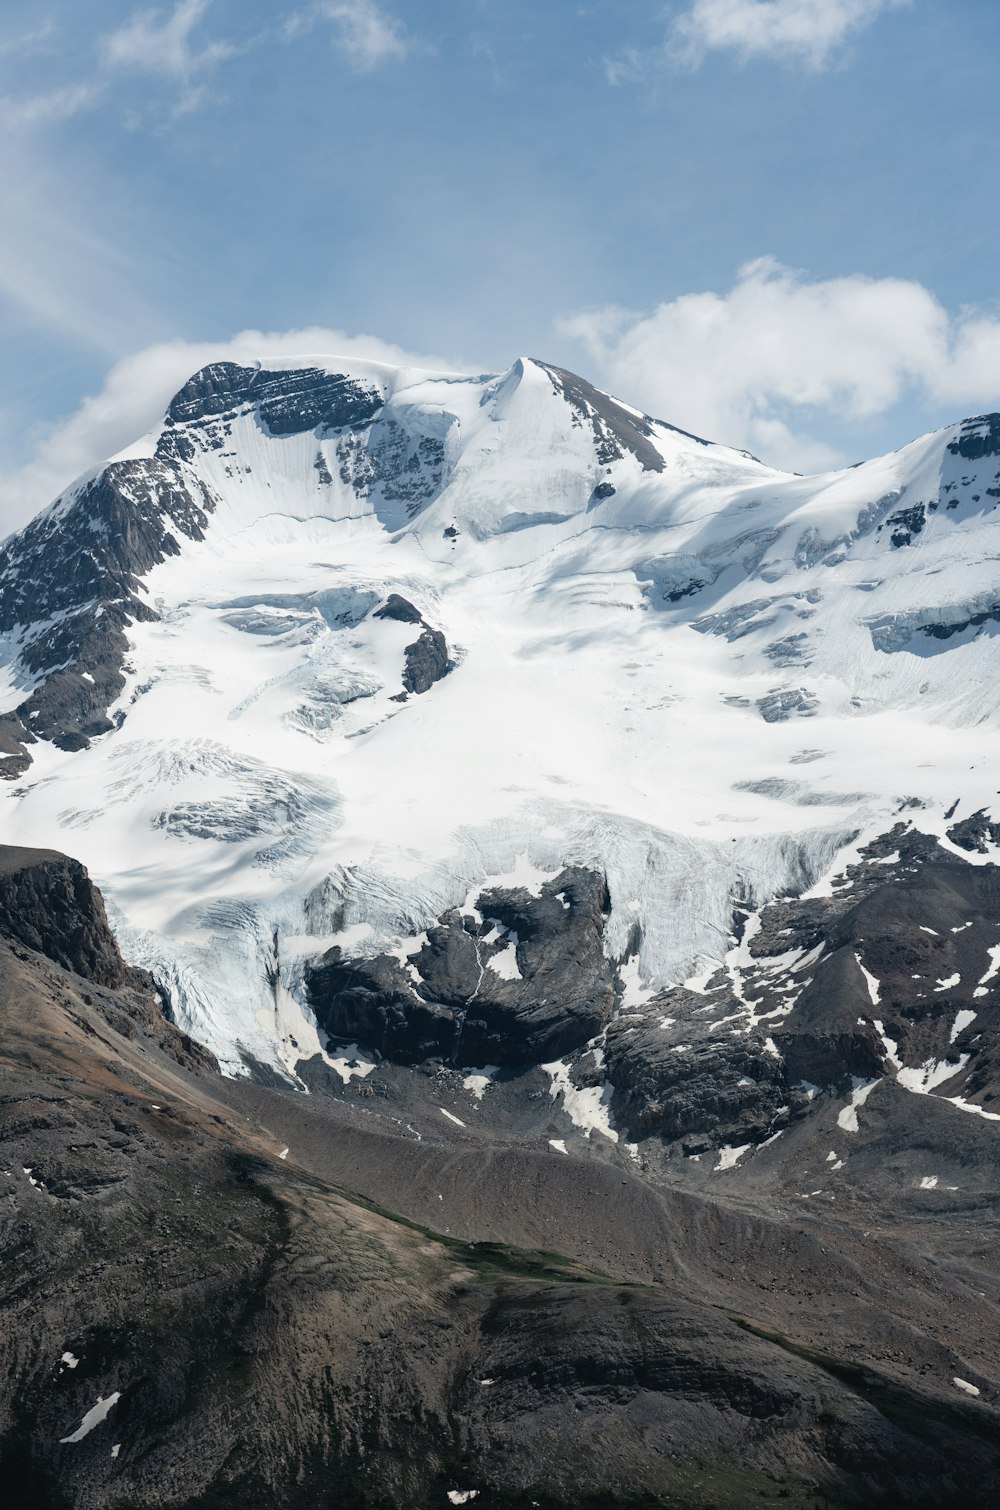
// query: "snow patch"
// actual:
[[635, 991], [933, 1072], [970, 1106], [95, 1415], [889, 1044], [874, 986], [350, 1064], [847, 1117], [994, 965], [478, 1081], [505, 963], [729, 1157], [587, 1109]]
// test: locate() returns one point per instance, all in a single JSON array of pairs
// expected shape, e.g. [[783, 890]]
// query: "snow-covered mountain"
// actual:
[[377, 700]]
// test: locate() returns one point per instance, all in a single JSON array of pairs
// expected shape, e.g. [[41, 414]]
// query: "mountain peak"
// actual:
[[417, 631]]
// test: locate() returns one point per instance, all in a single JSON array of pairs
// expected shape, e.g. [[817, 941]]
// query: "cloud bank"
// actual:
[[771, 362]]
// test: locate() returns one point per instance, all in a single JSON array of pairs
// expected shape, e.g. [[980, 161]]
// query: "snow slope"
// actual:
[[670, 663]]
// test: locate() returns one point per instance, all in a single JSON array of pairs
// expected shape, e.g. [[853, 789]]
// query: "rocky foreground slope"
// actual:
[[199, 1313]]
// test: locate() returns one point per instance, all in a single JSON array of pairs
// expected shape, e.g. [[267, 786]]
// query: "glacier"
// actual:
[[709, 680]]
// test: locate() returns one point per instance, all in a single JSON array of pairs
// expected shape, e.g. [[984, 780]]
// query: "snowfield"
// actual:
[[670, 663]]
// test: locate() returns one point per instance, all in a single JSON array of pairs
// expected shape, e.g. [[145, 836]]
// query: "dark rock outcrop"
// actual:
[[77, 571], [427, 661], [923, 925], [978, 437], [705, 1092], [48, 903], [288, 403], [427, 658], [399, 609], [555, 991], [373, 1001], [828, 1036], [616, 430], [891, 974], [51, 914], [975, 833]]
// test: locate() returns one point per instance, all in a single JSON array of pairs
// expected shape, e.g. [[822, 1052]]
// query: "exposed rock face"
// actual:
[[702, 1093], [615, 429], [915, 928], [427, 659], [784, 703], [892, 977], [526, 984], [48, 903], [979, 436], [288, 403], [50, 910], [76, 572], [400, 609], [889, 978], [975, 833]]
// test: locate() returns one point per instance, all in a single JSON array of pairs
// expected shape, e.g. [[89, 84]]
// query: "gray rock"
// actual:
[[455, 1005], [784, 703], [288, 403]]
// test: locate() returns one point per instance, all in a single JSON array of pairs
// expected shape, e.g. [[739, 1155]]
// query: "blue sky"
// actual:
[[774, 221]]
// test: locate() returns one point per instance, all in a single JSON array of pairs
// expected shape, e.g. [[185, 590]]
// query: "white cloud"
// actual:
[[365, 34], [798, 31], [48, 109], [137, 391], [154, 43], [779, 358]]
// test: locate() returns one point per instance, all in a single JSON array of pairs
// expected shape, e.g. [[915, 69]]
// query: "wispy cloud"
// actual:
[[163, 45], [628, 65], [367, 36], [57, 267], [49, 108], [778, 356], [808, 32]]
